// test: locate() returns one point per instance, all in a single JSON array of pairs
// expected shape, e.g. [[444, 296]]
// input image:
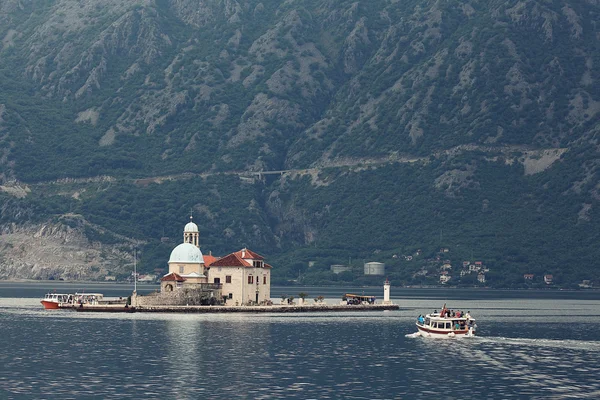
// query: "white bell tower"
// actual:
[[191, 233]]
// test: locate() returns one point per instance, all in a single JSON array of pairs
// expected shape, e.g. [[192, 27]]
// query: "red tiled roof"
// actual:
[[249, 254], [231, 260], [173, 276], [267, 265], [209, 259]]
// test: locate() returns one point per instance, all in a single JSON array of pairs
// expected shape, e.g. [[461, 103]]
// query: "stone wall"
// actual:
[[179, 297]]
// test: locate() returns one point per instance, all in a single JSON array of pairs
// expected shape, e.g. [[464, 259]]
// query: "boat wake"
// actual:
[[546, 343], [549, 343]]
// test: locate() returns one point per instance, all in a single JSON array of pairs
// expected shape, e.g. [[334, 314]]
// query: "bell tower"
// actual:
[[191, 233]]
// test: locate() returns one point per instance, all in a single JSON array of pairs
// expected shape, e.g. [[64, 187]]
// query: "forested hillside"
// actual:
[[399, 129]]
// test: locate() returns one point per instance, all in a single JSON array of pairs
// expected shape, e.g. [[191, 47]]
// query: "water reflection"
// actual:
[[183, 352]]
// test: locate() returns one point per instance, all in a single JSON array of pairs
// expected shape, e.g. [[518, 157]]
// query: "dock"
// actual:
[[238, 309]]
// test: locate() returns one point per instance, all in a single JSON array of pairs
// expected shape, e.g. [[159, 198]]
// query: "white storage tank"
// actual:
[[374, 268]]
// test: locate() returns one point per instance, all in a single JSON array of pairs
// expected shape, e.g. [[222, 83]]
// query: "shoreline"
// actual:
[[450, 288]]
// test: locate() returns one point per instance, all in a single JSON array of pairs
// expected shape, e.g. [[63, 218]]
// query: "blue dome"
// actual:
[[186, 253]]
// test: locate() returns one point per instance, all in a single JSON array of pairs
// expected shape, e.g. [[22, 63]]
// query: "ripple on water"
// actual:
[[372, 355]]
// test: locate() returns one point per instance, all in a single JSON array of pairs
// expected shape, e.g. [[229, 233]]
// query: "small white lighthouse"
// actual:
[[386, 292]]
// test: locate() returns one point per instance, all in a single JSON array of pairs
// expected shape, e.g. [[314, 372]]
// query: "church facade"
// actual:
[[239, 278]]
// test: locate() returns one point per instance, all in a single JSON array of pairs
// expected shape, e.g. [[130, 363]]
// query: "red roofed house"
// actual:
[[169, 282], [244, 276], [444, 277], [209, 259]]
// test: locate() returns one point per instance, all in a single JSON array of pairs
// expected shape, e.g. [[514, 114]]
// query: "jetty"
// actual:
[[237, 309]]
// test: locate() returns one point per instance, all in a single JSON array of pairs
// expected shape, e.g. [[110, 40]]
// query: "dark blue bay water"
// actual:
[[532, 345]]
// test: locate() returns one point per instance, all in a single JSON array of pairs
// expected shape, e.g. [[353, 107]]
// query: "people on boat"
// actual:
[[447, 322]]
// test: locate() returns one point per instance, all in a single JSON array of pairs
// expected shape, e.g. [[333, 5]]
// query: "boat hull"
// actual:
[[50, 305], [440, 333]]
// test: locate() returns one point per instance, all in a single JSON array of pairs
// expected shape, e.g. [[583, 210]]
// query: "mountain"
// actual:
[[315, 132]]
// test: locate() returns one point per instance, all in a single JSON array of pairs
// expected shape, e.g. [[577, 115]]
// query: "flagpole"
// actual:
[[134, 271]]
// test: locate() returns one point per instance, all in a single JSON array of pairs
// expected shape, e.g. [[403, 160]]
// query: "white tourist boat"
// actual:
[[54, 301], [445, 325]]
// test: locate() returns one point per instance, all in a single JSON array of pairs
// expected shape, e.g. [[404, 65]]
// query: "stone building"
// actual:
[[196, 279], [244, 276]]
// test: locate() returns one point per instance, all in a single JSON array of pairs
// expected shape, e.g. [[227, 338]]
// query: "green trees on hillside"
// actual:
[[290, 85]]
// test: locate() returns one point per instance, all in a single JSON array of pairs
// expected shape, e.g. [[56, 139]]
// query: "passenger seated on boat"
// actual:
[[456, 326], [421, 320]]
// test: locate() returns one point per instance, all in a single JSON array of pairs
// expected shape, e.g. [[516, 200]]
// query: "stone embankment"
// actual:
[[239, 309]]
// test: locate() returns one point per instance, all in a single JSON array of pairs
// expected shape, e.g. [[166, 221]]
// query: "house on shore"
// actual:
[[244, 276]]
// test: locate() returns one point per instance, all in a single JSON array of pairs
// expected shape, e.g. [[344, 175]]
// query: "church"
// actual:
[[240, 278]]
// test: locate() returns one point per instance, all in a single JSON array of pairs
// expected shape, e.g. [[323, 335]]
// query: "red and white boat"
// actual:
[[53, 301], [445, 325]]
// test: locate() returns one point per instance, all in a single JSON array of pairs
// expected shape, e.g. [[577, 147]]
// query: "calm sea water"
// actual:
[[532, 345]]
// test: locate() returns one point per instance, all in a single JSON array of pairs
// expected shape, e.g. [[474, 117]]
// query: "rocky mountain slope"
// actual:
[[99, 97], [59, 250]]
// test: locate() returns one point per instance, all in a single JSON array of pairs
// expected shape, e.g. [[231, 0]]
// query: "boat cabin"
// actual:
[[453, 324], [354, 299], [88, 298], [58, 297], [437, 325]]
